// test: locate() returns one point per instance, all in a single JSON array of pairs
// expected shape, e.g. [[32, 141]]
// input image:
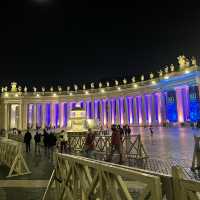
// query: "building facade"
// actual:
[[173, 97]]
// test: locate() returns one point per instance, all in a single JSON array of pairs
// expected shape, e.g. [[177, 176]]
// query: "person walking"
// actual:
[[89, 144], [45, 140], [37, 139], [27, 140], [151, 130]]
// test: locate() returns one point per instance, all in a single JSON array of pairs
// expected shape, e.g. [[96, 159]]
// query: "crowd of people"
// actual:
[[47, 136]]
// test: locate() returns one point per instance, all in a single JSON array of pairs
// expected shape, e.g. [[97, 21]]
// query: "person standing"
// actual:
[[45, 140], [27, 140], [151, 130], [116, 144], [51, 144], [89, 144], [37, 139]]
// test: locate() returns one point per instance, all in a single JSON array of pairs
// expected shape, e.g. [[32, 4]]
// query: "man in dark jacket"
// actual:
[[27, 140], [37, 139], [51, 144]]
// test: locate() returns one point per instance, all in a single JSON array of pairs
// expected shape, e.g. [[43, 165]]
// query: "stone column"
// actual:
[[144, 110], [135, 117], [117, 111], [101, 112], [92, 106], [153, 112], [179, 103], [126, 117], [52, 114], [43, 115], [20, 117], [24, 116], [34, 115], [109, 113], [61, 114], [6, 116]]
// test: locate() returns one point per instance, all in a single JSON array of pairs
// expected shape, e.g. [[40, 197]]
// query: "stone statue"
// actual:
[[92, 85], [6, 89], [187, 62], [160, 73], [100, 85], [34, 89], [2, 89], [107, 84], [59, 88], [68, 88], [166, 69], [125, 81], [194, 61], [133, 79], [25, 89], [75, 87], [43, 89], [116, 82], [181, 61], [151, 75], [84, 87], [51, 88], [19, 88], [142, 78], [13, 87], [172, 67]]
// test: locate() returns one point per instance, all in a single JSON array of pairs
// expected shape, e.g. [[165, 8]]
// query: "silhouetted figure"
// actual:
[[45, 140], [37, 139], [27, 140], [151, 130], [89, 144], [51, 144]]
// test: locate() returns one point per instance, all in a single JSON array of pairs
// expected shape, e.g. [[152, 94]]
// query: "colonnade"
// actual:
[[179, 104]]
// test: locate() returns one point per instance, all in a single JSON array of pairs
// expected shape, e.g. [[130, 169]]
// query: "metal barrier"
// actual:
[[77, 177], [11, 156], [184, 189], [131, 145]]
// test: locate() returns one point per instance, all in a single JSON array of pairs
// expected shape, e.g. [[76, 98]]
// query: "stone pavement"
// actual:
[[27, 187], [166, 145]]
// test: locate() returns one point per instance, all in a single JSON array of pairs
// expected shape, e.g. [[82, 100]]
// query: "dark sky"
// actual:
[[51, 42]]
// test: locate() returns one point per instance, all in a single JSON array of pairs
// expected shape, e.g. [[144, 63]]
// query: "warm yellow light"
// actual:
[[37, 95], [54, 94], [166, 77], [187, 72], [86, 92], [119, 88], [153, 82], [102, 90], [70, 93], [6, 94], [16, 95], [135, 85]]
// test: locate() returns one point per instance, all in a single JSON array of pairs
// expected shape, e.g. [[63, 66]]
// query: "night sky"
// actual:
[[51, 42]]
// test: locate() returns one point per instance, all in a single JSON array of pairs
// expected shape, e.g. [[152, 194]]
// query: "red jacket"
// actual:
[[115, 137]]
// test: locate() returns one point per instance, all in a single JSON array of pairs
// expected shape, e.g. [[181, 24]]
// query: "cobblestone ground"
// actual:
[[166, 143]]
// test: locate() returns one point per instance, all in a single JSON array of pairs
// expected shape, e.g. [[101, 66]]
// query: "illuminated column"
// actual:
[[6, 116], [100, 112], [104, 112], [135, 117], [153, 112], [93, 110], [52, 115], [61, 114], [34, 115], [179, 103], [20, 117], [117, 115], [159, 107], [109, 112], [112, 111], [186, 103], [125, 110], [130, 106], [143, 110], [43, 115], [24, 116]]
